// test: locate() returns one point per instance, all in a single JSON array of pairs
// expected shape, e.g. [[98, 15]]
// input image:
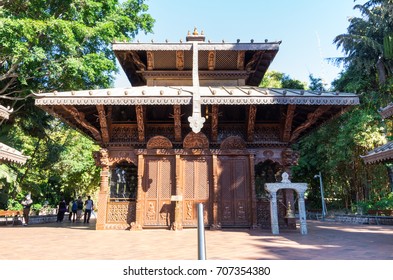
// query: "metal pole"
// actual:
[[322, 196], [201, 234]]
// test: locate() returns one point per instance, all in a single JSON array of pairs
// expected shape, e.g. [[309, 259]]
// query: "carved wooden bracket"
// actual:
[[180, 60], [79, 117], [140, 122], [214, 120], [240, 60], [177, 121], [138, 62], [211, 60], [252, 112], [101, 157], [103, 123], [288, 123], [311, 119], [150, 60]]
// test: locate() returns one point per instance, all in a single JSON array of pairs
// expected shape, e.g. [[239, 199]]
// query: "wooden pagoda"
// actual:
[[193, 128]]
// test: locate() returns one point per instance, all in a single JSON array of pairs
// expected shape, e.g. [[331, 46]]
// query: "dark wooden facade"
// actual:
[[155, 169]]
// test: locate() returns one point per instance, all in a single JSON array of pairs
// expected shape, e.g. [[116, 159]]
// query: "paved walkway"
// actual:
[[325, 241]]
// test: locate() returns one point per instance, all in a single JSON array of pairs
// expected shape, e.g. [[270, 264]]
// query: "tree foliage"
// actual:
[[58, 45]]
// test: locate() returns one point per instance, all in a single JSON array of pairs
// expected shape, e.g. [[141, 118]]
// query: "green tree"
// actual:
[[58, 45], [274, 79]]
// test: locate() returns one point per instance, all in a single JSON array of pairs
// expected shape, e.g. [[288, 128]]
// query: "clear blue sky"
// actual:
[[305, 27]]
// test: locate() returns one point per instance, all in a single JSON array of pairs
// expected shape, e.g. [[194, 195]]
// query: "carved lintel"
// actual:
[[214, 125], [311, 119], [180, 60], [103, 123], [79, 117], [288, 123], [252, 112], [177, 121], [140, 122], [240, 60], [211, 60], [150, 60]]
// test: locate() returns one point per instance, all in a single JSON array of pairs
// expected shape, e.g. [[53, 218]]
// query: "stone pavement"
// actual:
[[325, 241]]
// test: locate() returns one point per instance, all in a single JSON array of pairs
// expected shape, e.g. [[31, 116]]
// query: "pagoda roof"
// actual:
[[5, 112], [247, 61], [387, 111], [380, 154], [221, 95], [11, 155]]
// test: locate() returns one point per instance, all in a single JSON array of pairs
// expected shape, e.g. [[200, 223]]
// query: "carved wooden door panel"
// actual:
[[158, 187], [196, 188], [234, 183]]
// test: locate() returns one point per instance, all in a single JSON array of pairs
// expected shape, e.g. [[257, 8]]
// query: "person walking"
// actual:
[[27, 202], [88, 208], [74, 210], [80, 209], [61, 211]]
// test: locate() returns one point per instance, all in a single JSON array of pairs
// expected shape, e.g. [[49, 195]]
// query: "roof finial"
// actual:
[[195, 31]]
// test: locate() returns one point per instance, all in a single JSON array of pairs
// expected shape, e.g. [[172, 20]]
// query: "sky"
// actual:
[[305, 27]]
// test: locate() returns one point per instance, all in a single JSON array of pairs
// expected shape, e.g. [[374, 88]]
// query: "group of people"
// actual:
[[75, 209]]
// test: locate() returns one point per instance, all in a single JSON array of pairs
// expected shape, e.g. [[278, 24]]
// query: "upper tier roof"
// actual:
[[170, 64]]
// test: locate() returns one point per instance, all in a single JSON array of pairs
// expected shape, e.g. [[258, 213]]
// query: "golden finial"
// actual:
[[195, 31]]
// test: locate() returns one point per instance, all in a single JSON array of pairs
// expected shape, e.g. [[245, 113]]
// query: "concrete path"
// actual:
[[67, 241]]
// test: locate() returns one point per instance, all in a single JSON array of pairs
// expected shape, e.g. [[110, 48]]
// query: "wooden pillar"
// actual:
[[216, 220], [177, 224], [102, 159], [254, 214], [137, 225]]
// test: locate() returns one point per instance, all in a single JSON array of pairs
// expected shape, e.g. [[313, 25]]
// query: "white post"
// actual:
[[302, 213], [273, 213]]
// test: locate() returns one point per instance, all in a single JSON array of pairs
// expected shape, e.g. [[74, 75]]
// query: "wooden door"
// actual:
[[196, 188], [234, 185], [158, 187]]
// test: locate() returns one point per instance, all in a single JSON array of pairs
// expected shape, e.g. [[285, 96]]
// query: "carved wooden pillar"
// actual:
[[139, 196], [102, 159], [216, 221], [253, 193], [177, 224], [214, 125]]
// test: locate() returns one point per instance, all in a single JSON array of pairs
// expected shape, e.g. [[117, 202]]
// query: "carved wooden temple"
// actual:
[[193, 128]]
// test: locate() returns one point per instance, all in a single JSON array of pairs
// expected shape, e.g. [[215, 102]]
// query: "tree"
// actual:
[[274, 79], [58, 45]]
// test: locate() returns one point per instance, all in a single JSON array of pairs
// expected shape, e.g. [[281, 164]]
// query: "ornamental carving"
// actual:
[[101, 158], [289, 157], [196, 141], [233, 143], [180, 60], [159, 142]]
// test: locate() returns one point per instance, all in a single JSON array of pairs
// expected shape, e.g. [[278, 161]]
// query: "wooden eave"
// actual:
[[300, 111], [8, 154], [383, 153], [387, 111]]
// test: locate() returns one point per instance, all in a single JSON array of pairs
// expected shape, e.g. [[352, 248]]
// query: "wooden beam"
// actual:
[[311, 119], [214, 121], [103, 123], [252, 112], [287, 129], [140, 121], [79, 117], [177, 122]]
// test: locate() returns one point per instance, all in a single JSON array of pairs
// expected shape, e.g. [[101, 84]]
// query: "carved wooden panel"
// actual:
[[196, 188], [122, 212], [234, 185], [159, 142], [196, 141], [158, 187]]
